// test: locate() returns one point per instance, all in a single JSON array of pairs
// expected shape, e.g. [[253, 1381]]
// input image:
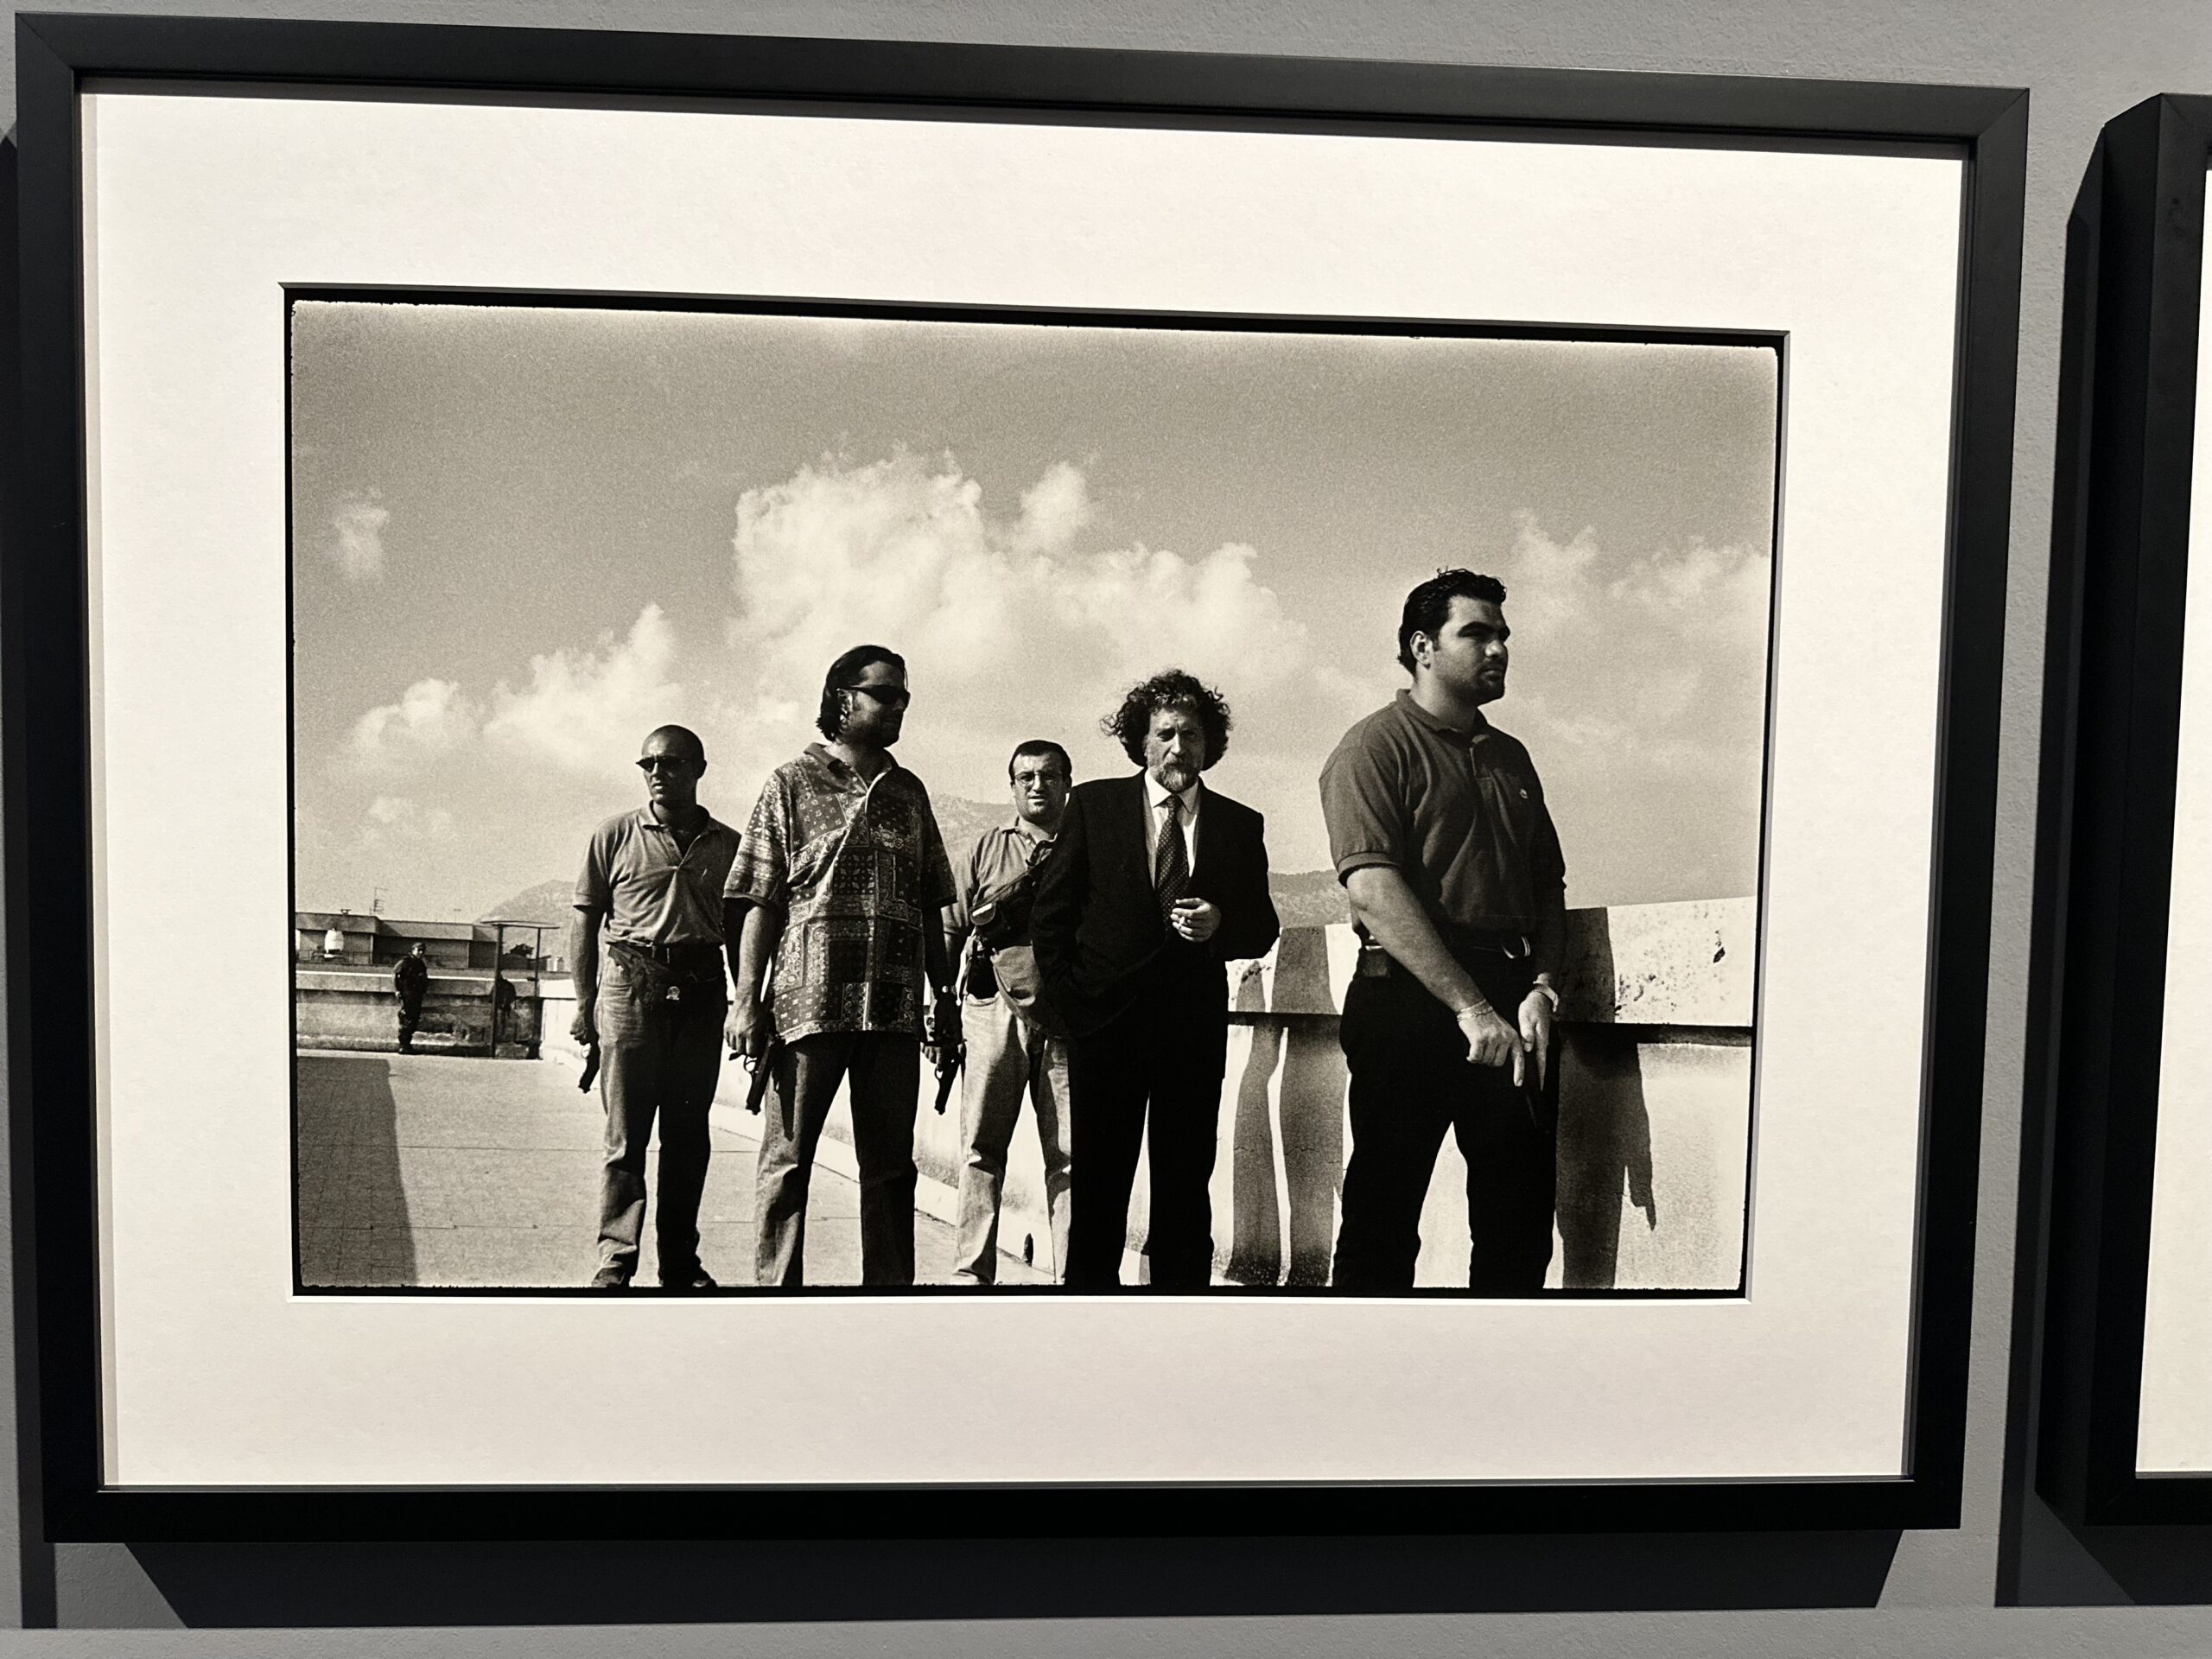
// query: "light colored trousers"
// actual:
[[1007, 1057]]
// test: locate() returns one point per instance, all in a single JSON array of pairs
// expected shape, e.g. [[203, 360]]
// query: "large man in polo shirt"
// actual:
[[653, 883], [1439, 830], [839, 886]]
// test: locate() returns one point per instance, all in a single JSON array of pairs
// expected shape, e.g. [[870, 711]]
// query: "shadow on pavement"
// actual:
[[353, 1224]]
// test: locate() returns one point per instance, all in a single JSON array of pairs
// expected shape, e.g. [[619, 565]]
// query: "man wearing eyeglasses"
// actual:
[[839, 885], [651, 884]]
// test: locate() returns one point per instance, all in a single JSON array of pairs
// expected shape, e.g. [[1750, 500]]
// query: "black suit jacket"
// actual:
[[1096, 922]]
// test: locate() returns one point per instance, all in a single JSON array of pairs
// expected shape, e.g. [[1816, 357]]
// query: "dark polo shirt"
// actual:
[[1461, 815]]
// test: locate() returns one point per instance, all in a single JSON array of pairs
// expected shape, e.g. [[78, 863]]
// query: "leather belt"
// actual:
[[687, 953]]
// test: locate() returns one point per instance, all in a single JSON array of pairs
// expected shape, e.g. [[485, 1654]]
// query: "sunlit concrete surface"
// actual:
[[429, 1169]]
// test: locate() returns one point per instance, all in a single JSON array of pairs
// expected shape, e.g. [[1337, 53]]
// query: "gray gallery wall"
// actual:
[[2011, 1580]]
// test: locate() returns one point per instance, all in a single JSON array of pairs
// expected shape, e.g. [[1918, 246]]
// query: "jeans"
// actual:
[[1411, 1084], [1007, 1057], [884, 1068], [661, 1059]]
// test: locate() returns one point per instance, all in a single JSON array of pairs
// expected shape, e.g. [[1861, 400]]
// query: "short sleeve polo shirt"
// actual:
[[650, 890], [1459, 814]]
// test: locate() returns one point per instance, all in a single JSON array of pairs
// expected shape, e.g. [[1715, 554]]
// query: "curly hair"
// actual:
[[1428, 604], [1172, 690], [830, 720]]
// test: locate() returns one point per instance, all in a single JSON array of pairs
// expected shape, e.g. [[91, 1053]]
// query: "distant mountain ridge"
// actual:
[[549, 901], [1303, 897]]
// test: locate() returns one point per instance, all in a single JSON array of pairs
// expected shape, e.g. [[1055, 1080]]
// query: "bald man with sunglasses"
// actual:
[[652, 886]]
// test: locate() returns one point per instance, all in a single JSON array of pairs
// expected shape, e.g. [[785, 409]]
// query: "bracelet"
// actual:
[[1550, 994]]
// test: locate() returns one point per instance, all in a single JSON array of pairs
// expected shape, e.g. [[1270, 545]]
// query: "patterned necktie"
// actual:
[[1171, 863]]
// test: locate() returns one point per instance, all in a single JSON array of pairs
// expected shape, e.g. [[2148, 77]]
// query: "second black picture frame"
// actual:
[[2126, 1422]]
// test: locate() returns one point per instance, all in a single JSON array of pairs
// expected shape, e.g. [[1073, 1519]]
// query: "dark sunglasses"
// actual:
[[663, 763], [896, 697]]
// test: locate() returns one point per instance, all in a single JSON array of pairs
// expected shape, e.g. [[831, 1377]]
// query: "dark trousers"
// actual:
[[1410, 1082], [410, 1019], [1161, 1060], [884, 1068], [658, 1059]]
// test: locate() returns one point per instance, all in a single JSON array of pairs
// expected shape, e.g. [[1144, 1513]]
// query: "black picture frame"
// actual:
[[44, 605], [2112, 729]]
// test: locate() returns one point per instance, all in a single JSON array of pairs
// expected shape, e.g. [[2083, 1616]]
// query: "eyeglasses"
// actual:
[[893, 696], [652, 763]]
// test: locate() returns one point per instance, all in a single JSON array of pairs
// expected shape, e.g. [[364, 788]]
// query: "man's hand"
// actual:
[[1536, 1033], [1490, 1041], [941, 1030], [746, 1031], [1196, 920], [584, 1030]]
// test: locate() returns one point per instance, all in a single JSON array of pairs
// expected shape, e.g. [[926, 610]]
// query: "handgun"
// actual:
[[763, 1069], [950, 1058], [591, 1068]]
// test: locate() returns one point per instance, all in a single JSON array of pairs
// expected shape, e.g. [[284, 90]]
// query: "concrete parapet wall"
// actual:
[[1680, 964], [339, 1008]]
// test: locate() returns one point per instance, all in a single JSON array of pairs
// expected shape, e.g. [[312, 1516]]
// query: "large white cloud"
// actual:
[[432, 717], [1010, 626], [396, 818], [1638, 679], [587, 710], [584, 710]]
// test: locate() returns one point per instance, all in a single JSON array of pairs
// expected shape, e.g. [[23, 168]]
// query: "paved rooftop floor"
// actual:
[[425, 1169]]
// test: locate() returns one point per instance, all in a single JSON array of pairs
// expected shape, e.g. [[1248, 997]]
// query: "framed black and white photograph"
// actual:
[[1257, 788], [1012, 499], [2124, 887]]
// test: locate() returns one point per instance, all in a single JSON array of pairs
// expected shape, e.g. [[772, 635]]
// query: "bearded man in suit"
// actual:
[[1155, 882]]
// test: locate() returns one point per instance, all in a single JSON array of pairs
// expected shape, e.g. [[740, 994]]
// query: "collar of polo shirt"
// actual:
[[1406, 702]]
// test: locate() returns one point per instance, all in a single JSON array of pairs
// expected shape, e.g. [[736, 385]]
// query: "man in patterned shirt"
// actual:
[[839, 882]]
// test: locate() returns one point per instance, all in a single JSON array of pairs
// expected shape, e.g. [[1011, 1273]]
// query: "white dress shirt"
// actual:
[[1155, 819]]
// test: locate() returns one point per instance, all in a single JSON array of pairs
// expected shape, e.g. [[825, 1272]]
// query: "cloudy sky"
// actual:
[[525, 535]]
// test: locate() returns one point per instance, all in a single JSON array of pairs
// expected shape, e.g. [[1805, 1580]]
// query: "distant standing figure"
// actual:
[[652, 881], [1014, 1048], [411, 978], [1155, 884]]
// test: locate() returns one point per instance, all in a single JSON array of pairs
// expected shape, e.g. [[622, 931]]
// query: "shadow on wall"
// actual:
[[1604, 1135], [1605, 1148], [1310, 1110], [353, 1224]]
